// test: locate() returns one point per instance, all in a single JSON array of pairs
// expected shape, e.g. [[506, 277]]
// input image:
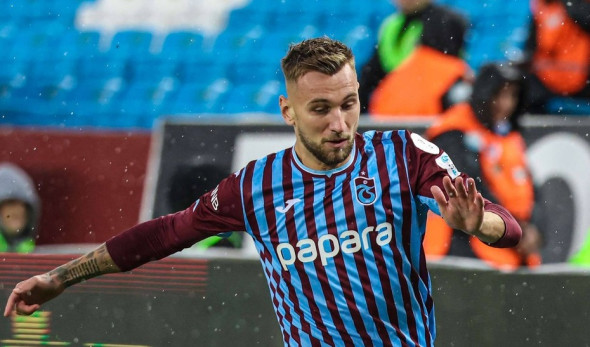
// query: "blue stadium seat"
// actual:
[[253, 73], [253, 98], [32, 100], [131, 43], [247, 18], [65, 10], [94, 100], [75, 44], [197, 98], [152, 69], [141, 102], [57, 73], [34, 42], [231, 46], [31, 10], [13, 72], [202, 72], [182, 45], [101, 67], [300, 21]]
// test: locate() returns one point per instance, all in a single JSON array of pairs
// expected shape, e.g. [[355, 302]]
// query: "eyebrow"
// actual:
[[320, 100]]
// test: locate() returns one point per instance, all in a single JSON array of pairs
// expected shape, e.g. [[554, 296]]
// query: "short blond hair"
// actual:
[[319, 54]]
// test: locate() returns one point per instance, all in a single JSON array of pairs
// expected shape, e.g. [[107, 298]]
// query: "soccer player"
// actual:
[[338, 219]]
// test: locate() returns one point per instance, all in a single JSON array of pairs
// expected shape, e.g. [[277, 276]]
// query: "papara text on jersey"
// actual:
[[328, 246]]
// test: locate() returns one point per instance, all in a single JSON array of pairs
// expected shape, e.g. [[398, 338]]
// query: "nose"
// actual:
[[337, 121]]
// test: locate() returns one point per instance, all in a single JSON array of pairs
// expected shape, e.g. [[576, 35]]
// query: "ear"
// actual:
[[286, 110]]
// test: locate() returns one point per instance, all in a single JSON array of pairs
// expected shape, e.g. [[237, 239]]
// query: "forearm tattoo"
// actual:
[[88, 266]]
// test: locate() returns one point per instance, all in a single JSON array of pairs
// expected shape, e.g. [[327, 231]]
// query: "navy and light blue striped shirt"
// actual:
[[342, 249]]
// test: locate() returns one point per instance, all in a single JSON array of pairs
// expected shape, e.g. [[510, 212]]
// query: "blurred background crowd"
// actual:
[[124, 63]]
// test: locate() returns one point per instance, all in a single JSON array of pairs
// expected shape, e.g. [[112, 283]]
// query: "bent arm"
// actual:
[[467, 210], [492, 228]]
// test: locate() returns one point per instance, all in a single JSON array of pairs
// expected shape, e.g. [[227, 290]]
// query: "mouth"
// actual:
[[337, 143]]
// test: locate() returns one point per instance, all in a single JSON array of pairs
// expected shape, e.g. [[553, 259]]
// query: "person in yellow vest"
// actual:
[[483, 138], [557, 53], [19, 210], [416, 68]]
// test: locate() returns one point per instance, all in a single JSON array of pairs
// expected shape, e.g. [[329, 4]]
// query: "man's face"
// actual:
[[505, 102], [324, 111], [13, 215], [410, 6]]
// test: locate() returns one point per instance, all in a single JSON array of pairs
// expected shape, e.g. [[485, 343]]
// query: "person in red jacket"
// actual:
[[484, 139], [557, 53]]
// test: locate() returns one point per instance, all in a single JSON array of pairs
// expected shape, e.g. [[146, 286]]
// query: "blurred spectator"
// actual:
[[19, 210], [483, 138], [557, 53], [415, 69]]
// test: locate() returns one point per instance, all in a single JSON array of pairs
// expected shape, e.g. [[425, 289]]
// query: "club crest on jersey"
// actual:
[[366, 193]]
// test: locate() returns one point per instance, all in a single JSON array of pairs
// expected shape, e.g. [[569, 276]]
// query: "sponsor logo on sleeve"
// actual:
[[424, 144], [214, 199], [445, 162]]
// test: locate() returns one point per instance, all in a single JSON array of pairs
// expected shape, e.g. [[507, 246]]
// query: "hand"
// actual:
[[28, 296], [464, 209]]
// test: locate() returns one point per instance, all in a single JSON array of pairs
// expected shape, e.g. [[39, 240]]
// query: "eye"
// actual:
[[320, 110], [347, 106]]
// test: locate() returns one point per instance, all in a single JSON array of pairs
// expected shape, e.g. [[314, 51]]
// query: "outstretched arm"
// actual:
[[464, 210], [28, 296]]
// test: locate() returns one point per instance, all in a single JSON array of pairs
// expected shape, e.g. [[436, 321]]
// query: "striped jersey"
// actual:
[[341, 249]]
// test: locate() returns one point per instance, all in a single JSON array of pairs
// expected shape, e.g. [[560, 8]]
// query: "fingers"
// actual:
[[460, 188], [449, 188], [10, 303], [24, 309], [16, 302], [457, 189], [479, 201], [471, 190]]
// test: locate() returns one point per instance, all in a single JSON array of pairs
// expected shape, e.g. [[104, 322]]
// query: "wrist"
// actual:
[[492, 228]]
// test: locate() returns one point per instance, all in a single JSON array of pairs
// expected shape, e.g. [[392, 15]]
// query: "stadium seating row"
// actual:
[[57, 70]]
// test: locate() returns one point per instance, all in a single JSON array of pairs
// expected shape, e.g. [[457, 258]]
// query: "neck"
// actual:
[[417, 7]]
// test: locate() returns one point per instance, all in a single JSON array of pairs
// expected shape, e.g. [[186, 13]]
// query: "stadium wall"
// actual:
[[222, 302], [90, 182]]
